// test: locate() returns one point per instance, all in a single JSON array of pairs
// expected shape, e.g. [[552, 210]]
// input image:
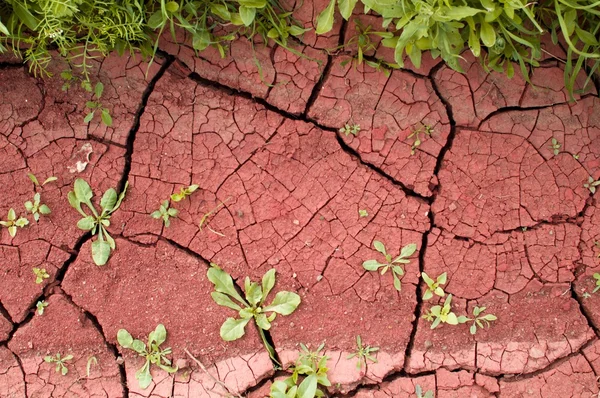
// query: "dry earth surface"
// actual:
[[484, 198]]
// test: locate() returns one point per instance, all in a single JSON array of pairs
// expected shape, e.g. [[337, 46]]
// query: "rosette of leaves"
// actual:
[[61, 362], [253, 306], [391, 263], [97, 222], [36, 208], [12, 222], [165, 212], [479, 320], [434, 287], [442, 314], [151, 352], [310, 369]]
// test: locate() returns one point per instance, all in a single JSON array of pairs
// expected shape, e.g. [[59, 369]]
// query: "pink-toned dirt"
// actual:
[[484, 197]]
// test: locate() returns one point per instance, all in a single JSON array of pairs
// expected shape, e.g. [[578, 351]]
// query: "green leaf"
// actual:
[[200, 40], [371, 265], [346, 7], [325, 19], [308, 387], [49, 179], [408, 250], [86, 224], [487, 34], [11, 215], [254, 294], [224, 300], [172, 6], [25, 16], [380, 247], [106, 118], [156, 20], [82, 190], [473, 329], [33, 179], [21, 222], [28, 205], [143, 376], [3, 29], [108, 201], [268, 281], [221, 11], [233, 329], [397, 283], [98, 90], [457, 13], [263, 322], [121, 197], [138, 346], [223, 283], [427, 279], [452, 319], [160, 334], [247, 15], [284, 303], [100, 251], [253, 3], [124, 338]]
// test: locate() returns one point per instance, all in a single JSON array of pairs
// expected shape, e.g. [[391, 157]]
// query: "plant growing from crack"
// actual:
[[420, 394], [434, 287], [481, 321], [591, 184], [253, 306], [36, 208], [441, 314], [40, 306], [311, 366], [93, 106], [363, 353], [96, 222], [596, 276], [424, 131], [61, 362], [555, 146], [35, 181], [151, 352], [40, 274], [12, 222], [350, 128], [165, 212], [391, 264], [184, 192]]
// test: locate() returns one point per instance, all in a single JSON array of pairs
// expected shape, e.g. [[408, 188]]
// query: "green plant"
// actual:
[[424, 130], [597, 278], [555, 146], [93, 106], [363, 213], [96, 222], [397, 271], [12, 222], [61, 362], [165, 212], [362, 39], [419, 392], [88, 367], [433, 287], [184, 192], [40, 306], [35, 181], [253, 307], [350, 129], [591, 184], [363, 353], [36, 208], [206, 216], [151, 352], [481, 321], [442, 314], [40, 274], [310, 365]]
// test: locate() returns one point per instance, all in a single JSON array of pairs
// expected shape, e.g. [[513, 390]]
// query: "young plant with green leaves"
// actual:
[[478, 320], [424, 131], [165, 212], [596, 276], [40, 274], [442, 314], [253, 306], [591, 184], [349, 129], [391, 263], [555, 146], [61, 362], [36, 208], [434, 287], [12, 222], [363, 213], [35, 181], [184, 192], [311, 369], [96, 105], [363, 353], [97, 222], [420, 394], [40, 306], [151, 352]]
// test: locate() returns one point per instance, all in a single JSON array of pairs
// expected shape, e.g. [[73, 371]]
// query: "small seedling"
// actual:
[[206, 216], [151, 352], [434, 287], [586, 295], [313, 367], [253, 307], [183, 193], [97, 222], [424, 130], [363, 213], [88, 368], [397, 271], [40, 274], [41, 305], [363, 353], [12, 222], [93, 106], [597, 278], [61, 365], [419, 392], [35, 181], [36, 208], [165, 212], [555, 146], [591, 184], [481, 321], [576, 156], [350, 129], [441, 314]]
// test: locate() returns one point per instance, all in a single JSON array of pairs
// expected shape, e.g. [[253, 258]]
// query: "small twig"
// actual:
[[205, 217], [219, 382]]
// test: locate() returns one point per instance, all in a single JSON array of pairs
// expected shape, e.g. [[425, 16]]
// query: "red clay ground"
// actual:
[[484, 198]]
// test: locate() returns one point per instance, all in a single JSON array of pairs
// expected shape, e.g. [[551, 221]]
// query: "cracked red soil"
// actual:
[[484, 198]]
